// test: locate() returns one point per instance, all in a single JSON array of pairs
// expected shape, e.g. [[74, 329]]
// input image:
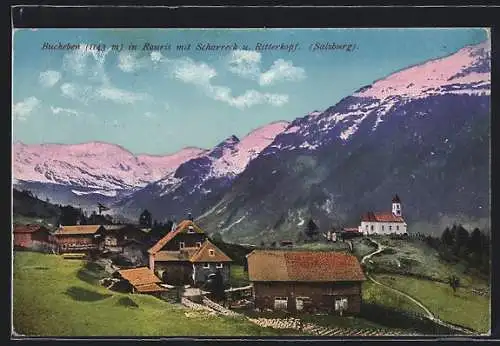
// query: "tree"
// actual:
[[454, 282], [215, 285], [475, 241], [447, 237], [168, 225], [461, 237], [216, 237], [145, 219], [273, 244], [262, 244], [312, 230]]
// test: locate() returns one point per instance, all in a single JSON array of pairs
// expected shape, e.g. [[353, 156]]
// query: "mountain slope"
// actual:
[[198, 183], [94, 170], [422, 132]]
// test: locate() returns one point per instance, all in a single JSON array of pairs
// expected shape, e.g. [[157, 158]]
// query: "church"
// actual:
[[384, 222]]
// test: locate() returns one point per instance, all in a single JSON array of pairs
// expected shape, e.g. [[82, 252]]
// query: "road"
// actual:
[[428, 313]]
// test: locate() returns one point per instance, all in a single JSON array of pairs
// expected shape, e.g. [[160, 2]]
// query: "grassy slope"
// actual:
[[414, 256], [238, 276], [462, 308], [51, 300], [376, 294]]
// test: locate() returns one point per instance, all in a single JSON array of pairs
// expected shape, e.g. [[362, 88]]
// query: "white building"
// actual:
[[384, 222]]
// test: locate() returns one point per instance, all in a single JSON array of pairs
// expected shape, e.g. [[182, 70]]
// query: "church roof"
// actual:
[[381, 217], [396, 199]]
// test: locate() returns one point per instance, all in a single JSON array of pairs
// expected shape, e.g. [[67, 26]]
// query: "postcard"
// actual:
[[251, 182]]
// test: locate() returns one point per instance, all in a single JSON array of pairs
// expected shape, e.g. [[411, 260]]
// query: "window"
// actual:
[[211, 252], [181, 245], [390, 228], [340, 304], [190, 229], [397, 228], [299, 302], [198, 244], [382, 227], [280, 303], [218, 265], [206, 265], [371, 227]]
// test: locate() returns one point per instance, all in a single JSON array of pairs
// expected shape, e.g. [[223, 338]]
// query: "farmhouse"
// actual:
[[309, 281], [141, 280], [113, 238], [80, 238], [186, 256], [384, 222], [35, 237]]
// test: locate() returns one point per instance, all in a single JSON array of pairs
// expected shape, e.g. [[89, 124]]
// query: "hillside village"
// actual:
[[184, 264], [370, 217]]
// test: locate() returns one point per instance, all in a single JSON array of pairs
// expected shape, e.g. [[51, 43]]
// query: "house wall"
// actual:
[[201, 273], [175, 273], [67, 242], [26, 239], [189, 240], [383, 227], [321, 295]]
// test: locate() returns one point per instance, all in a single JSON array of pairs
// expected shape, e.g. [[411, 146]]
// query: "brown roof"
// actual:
[[203, 254], [303, 266], [178, 255], [182, 227], [79, 229], [139, 276], [381, 217], [29, 228], [150, 288]]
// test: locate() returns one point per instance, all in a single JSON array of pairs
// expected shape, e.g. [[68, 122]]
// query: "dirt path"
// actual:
[[428, 313]]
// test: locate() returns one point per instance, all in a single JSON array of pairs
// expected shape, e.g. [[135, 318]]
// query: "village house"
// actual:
[[127, 241], [79, 238], [33, 237], [186, 256], [305, 281], [384, 222], [113, 238]]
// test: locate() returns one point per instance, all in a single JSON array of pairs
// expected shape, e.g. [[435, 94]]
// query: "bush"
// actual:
[[127, 302]]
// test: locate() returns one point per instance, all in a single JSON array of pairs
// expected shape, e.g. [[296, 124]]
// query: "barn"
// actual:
[[34, 237], [80, 238], [306, 281]]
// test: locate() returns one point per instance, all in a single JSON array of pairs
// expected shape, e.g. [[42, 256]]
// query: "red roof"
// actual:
[[381, 217], [29, 228], [304, 266]]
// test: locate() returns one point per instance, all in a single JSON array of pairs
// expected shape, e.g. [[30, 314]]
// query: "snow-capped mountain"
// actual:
[[200, 181], [422, 132], [93, 168]]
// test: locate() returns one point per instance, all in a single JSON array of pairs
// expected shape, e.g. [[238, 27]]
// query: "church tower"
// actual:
[[396, 206]]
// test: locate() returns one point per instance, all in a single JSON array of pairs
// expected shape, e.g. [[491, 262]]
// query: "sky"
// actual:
[[158, 101]]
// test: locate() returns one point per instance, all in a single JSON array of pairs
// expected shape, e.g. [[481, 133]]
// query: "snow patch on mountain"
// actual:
[[236, 156], [95, 165]]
